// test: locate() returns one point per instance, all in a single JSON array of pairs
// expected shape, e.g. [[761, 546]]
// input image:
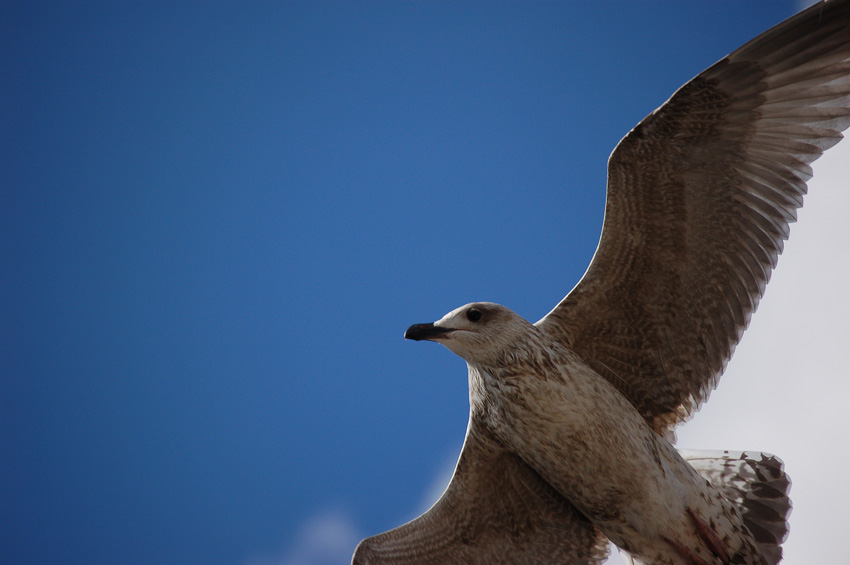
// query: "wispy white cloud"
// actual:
[[325, 539], [440, 481]]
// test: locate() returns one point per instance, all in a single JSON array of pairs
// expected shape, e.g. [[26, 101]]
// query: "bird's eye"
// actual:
[[473, 314]]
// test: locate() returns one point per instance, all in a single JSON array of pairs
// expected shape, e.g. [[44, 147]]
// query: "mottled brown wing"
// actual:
[[700, 195], [496, 510]]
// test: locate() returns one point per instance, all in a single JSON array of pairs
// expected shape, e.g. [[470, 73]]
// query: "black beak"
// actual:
[[418, 332]]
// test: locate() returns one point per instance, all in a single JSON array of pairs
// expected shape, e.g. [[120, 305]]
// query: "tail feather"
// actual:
[[757, 483]]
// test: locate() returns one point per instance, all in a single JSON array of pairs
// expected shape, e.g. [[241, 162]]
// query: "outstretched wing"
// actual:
[[495, 510], [700, 195]]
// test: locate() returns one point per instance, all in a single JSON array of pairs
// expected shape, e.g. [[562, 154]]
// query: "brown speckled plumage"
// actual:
[[496, 510], [570, 418]]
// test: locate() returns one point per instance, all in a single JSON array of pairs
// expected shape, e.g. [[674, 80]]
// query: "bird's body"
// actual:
[[587, 440], [571, 423]]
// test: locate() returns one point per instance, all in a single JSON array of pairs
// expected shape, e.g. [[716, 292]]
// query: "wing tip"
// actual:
[[364, 554]]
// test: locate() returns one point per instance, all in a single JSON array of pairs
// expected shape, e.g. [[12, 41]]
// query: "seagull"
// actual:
[[569, 443]]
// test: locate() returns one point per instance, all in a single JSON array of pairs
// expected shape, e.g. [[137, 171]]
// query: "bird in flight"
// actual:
[[570, 435]]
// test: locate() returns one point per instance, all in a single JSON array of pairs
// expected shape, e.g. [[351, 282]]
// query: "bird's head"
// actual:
[[482, 333]]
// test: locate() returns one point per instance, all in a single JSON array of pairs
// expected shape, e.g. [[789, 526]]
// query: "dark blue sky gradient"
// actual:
[[218, 218]]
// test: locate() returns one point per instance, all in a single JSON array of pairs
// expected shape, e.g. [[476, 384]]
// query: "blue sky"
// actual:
[[218, 218]]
